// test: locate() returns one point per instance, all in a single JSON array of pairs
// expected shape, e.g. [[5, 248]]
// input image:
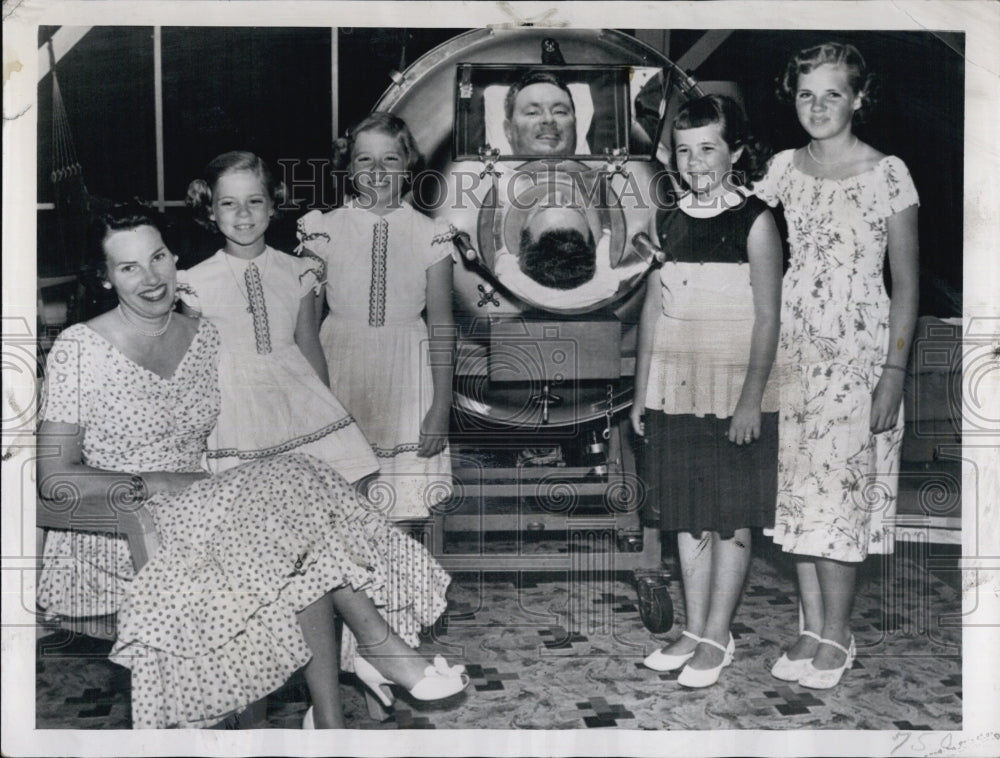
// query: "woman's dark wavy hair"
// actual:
[[864, 82], [120, 217], [199, 192], [723, 110], [380, 122]]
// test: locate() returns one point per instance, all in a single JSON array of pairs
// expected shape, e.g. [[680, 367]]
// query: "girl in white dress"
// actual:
[[275, 389], [385, 267]]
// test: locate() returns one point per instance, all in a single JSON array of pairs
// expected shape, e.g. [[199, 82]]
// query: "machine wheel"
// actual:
[[656, 609]]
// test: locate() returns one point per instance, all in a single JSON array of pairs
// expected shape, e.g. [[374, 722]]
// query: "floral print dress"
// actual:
[[837, 482]]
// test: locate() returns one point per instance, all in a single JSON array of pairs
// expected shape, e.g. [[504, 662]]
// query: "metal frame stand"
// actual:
[[599, 516]]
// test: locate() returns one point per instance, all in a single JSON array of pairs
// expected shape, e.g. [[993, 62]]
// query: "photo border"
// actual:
[[978, 19]]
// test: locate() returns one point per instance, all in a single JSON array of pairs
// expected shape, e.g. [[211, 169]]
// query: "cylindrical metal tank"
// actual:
[[555, 366]]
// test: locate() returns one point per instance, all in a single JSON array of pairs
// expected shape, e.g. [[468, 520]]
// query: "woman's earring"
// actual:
[[106, 285]]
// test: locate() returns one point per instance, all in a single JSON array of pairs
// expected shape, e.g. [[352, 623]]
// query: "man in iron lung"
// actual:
[[557, 250], [539, 116]]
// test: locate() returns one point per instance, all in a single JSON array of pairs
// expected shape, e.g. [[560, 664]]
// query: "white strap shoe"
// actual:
[[660, 661], [789, 670], [690, 677], [824, 679]]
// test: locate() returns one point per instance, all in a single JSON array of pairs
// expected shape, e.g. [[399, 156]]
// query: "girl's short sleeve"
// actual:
[[766, 188], [311, 273], [186, 291], [313, 251], [444, 235], [899, 191], [438, 235], [62, 392], [312, 233]]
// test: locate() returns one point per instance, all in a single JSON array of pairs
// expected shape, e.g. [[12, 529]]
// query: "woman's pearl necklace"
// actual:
[[847, 154], [145, 333]]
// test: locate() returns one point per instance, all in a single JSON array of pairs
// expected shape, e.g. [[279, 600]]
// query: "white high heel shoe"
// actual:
[[660, 661], [690, 677], [789, 670], [440, 681]]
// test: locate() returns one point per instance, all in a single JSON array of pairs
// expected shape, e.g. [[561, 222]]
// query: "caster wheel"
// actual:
[[630, 544], [656, 609]]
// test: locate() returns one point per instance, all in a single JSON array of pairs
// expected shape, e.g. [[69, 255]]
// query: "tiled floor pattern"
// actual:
[[553, 655]]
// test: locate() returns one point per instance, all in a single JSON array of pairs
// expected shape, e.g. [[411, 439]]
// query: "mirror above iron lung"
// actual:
[[533, 112], [553, 234]]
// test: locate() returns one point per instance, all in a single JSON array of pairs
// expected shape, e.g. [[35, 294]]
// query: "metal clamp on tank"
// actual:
[[463, 243], [489, 156], [648, 250], [615, 161]]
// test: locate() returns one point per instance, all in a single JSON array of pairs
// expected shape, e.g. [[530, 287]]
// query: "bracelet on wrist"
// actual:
[[891, 367], [139, 490]]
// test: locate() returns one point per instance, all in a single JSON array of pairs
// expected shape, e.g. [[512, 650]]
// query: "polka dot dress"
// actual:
[[208, 625]]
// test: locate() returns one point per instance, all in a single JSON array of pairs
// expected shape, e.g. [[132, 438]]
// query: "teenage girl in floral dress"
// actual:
[[845, 346]]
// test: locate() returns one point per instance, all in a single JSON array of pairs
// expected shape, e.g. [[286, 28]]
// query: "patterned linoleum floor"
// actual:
[[546, 653]]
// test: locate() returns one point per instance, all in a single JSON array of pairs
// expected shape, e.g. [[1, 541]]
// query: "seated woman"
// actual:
[[252, 562]]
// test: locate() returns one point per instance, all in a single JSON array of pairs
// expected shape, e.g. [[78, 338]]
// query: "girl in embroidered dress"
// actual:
[[707, 340], [275, 388], [845, 346], [385, 266]]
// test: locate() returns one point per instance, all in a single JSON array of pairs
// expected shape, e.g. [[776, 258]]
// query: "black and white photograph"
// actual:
[[549, 378]]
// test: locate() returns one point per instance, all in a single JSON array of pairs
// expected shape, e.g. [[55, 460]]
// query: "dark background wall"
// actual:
[[269, 90]]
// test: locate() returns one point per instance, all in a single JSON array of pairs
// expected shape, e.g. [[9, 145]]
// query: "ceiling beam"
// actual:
[[706, 45], [62, 41]]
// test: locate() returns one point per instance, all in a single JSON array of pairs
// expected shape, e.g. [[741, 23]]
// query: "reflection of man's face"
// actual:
[[543, 121]]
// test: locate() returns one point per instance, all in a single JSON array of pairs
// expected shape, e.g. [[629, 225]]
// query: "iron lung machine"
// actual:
[[544, 375]]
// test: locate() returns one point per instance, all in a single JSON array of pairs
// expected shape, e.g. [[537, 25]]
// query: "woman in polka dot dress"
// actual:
[[252, 562]]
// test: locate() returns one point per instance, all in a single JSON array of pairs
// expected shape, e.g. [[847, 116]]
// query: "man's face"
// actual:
[[543, 121]]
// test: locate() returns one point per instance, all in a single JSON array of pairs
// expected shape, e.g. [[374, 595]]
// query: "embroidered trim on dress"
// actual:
[[258, 309], [284, 447], [305, 236], [376, 292], [319, 272], [392, 452], [445, 237], [303, 252]]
